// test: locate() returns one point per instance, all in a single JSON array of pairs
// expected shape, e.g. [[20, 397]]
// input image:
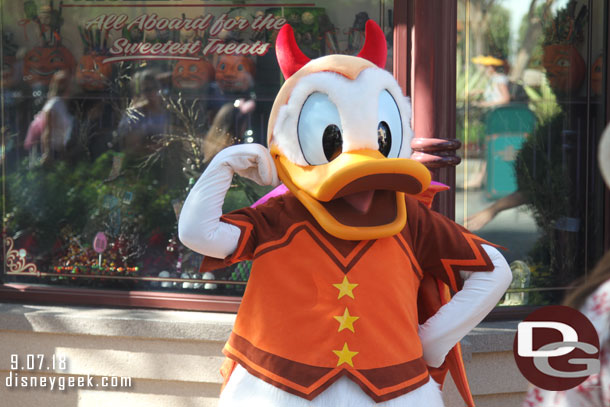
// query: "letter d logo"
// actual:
[[556, 348], [525, 338]]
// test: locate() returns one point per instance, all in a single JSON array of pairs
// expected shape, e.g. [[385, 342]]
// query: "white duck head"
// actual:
[[340, 136]]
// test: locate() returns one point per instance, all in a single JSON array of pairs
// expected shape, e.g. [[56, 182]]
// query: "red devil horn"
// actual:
[[289, 56], [375, 48]]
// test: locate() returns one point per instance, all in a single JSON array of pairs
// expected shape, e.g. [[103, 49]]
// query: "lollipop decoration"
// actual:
[[100, 243]]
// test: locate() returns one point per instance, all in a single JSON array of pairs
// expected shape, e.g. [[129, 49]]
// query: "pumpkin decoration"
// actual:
[[597, 75], [92, 74], [40, 63], [565, 68], [189, 74], [235, 73]]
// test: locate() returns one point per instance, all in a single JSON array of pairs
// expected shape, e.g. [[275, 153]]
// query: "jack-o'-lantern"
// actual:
[[92, 74], [40, 63], [564, 66], [235, 73], [190, 74], [597, 75]]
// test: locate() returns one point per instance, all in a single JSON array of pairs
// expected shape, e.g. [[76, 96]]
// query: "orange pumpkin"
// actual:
[[40, 63], [564, 66], [92, 74], [235, 73], [189, 74], [597, 75]]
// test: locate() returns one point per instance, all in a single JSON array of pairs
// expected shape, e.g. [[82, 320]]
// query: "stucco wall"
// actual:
[[172, 357]]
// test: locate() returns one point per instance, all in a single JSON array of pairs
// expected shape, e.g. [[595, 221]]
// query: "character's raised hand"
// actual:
[[251, 161]]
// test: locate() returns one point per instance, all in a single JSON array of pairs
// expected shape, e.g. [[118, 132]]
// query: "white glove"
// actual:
[[199, 226], [481, 292]]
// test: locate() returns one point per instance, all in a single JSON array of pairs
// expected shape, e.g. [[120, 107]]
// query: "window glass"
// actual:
[[531, 108], [110, 113]]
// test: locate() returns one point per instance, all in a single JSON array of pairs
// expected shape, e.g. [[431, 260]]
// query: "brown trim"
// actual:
[[390, 376], [301, 374], [323, 243], [286, 388], [117, 298], [402, 243], [388, 396], [309, 378]]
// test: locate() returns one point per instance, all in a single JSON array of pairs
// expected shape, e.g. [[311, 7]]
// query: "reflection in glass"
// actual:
[[106, 130], [529, 120]]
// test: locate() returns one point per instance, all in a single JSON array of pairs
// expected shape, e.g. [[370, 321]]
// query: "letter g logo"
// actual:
[[556, 348]]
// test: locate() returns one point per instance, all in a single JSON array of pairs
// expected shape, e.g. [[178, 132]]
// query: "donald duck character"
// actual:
[[330, 315]]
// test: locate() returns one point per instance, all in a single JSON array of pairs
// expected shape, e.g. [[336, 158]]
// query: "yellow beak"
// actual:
[[319, 188]]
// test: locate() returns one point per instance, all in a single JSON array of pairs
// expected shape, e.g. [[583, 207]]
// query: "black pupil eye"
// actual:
[[332, 142], [384, 138]]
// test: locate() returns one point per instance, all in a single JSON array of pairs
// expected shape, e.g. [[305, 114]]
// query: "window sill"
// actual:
[[128, 322], [488, 337]]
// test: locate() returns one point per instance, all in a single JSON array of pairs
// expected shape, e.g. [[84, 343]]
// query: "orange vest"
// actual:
[[317, 307]]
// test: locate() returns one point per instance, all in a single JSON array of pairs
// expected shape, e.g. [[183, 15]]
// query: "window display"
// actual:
[[111, 112]]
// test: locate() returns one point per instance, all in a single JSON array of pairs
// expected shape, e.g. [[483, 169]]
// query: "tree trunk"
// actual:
[[479, 22], [530, 40]]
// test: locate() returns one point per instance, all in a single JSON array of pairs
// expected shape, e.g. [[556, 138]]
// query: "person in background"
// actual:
[[55, 122], [496, 94], [230, 126], [592, 297], [145, 117]]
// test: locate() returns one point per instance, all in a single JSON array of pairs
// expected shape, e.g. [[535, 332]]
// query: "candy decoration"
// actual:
[[99, 245]]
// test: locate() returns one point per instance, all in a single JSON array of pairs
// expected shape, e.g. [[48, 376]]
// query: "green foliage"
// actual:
[[498, 33], [44, 200], [540, 175], [467, 84], [41, 199], [567, 26], [544, 177], [542, 101]]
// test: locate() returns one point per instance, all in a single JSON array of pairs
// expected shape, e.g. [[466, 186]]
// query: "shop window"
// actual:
[[530, 110], [110, 114]]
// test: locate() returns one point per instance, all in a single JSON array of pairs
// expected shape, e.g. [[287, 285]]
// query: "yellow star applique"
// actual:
[[345, 288], [345, 355], [346, 321]]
